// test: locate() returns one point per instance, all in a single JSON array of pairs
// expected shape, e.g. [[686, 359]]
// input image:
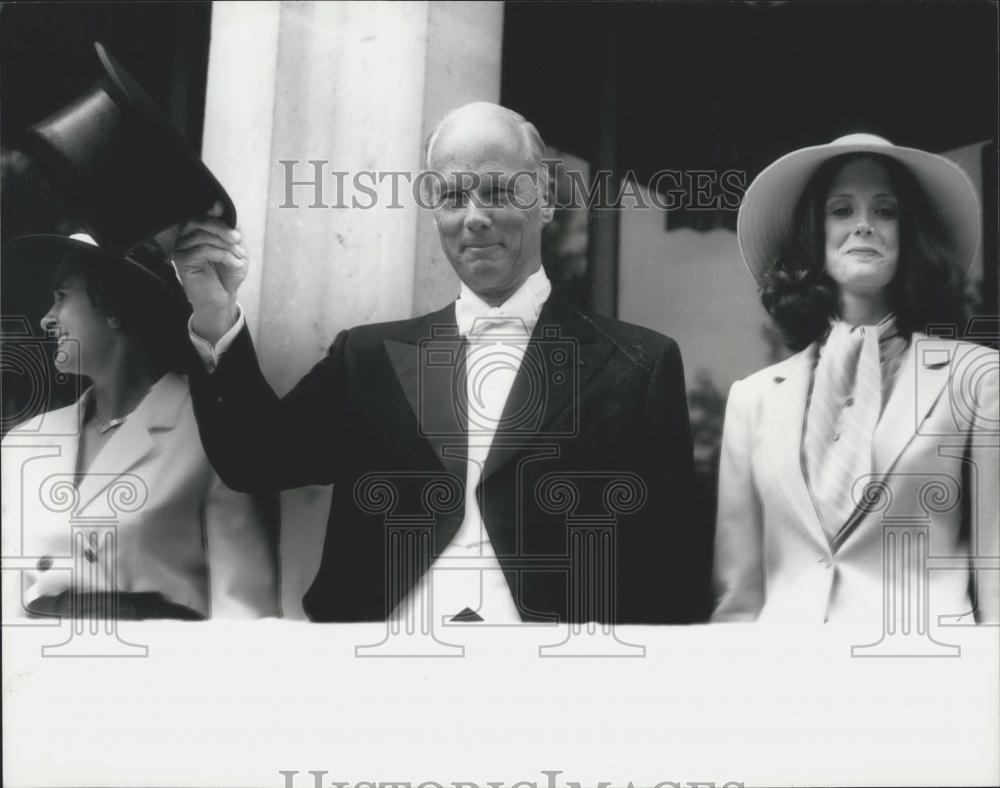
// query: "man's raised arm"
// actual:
[[255, 440]]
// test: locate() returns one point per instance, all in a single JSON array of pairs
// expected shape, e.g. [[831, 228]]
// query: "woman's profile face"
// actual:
[[85, 336], [861, 221]]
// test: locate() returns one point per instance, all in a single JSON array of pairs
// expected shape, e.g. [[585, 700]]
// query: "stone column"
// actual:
[[357, 87]]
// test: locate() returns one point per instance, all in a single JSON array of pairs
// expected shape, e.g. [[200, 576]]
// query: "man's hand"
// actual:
[[211, 266]]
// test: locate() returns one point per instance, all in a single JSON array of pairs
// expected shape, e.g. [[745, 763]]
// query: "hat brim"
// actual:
[[765, 217], [28, 266]]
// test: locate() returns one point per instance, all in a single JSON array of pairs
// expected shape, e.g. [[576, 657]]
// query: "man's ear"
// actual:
[[548, 210], [548, 194], [431, 184]]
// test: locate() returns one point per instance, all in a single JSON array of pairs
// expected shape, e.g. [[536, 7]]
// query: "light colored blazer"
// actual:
[[180, 531], [934, 461]]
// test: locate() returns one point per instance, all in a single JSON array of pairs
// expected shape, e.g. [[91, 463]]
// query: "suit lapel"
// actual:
[[918, 387], [59, 434], [429, 364], [791, 394], [130, 443], [66, 423], [564, 353]]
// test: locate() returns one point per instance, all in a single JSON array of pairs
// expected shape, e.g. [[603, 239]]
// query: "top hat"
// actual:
[[122, 162], [766, 214]]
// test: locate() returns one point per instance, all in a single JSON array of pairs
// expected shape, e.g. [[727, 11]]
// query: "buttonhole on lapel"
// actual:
[[778, 379]]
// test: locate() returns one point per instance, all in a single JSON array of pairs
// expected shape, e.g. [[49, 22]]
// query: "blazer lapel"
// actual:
[[126, 447], [919, 385], [791, 393], [564, 353], [66, 423], [59, 435], [132, 441]]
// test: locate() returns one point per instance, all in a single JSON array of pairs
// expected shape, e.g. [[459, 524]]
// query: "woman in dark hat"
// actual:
[[185, 545], [858, 246]]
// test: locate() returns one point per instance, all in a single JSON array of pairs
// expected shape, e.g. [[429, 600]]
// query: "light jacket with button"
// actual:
[[934, 467], [179, 530]]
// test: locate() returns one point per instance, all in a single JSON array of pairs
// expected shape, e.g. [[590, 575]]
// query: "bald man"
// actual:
[[508, 458]]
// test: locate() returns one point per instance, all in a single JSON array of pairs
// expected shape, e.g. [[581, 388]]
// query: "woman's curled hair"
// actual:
[[801, 297]]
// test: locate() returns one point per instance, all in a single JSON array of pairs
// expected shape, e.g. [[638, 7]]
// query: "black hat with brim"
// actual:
[[124, 165], [143, 275]]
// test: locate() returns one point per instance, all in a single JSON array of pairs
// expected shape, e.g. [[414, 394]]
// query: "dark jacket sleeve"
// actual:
[[257, 441], [688, 539]]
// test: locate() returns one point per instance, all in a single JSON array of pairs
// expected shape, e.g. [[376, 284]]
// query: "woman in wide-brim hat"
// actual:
[[184, 546], [858, 248]]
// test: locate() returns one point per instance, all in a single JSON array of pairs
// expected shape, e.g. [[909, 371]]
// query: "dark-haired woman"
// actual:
[[859, 248], [128, 454]]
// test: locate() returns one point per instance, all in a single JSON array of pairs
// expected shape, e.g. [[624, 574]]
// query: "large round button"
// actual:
[[44, 563], [90, 555]]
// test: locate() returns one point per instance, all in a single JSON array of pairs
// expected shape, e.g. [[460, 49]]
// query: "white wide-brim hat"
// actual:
[[765, 217]]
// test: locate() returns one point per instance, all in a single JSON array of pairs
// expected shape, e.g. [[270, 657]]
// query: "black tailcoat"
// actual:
[[585, 492]]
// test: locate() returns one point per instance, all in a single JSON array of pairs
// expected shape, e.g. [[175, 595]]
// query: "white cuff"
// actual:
[[210, 355]]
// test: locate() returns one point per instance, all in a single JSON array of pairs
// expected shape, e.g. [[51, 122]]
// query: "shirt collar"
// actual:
[[886, 327], [522, 308], [891, 343]]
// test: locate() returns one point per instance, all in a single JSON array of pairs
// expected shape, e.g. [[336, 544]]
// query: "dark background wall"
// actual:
[[47, 59], [650, 86], [638, 88]]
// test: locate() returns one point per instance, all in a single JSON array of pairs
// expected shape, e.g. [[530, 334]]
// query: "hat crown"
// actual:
[[122, 164], [862, 139]]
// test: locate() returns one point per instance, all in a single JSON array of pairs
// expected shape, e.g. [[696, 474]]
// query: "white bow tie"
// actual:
[[475, 317], [517, 315]]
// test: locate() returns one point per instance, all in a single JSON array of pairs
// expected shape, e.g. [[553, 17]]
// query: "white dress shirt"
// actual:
[[467, 573]]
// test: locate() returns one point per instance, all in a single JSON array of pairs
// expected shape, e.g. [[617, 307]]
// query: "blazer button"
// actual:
[[44, 563], [90, 555]]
